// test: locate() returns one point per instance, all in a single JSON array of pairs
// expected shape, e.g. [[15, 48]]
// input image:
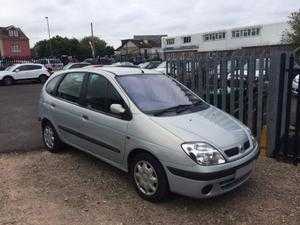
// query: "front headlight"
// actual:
[[203, 153]]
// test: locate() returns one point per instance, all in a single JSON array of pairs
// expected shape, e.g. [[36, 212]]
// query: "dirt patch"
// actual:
[[74, 188]]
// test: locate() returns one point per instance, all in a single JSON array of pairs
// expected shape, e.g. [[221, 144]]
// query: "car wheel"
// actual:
[[8, 81], [43, 78], [50, 138], [149, 178]]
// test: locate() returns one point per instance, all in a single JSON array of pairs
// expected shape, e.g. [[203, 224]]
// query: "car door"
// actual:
[[35, 71], [105, 130], [21, 72], [67, 111]]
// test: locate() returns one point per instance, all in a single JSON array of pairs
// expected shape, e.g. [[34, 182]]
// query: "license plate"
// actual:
[[244, 170]]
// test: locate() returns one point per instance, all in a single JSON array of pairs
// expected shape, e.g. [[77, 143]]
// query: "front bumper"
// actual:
[[198, 184]]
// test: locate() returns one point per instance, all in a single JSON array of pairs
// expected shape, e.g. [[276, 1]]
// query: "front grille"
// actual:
[[232, 151], [236, 150]]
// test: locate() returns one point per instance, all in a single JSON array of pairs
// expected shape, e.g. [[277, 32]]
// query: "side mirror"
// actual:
[[117, 109], [17, 70]]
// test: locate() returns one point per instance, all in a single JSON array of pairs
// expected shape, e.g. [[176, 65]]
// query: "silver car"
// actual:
[[149, 125]]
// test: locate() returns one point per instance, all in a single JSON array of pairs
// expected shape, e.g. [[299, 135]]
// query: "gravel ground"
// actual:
[[74, 188]]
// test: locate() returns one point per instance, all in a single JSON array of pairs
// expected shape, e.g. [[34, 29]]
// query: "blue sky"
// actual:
[[119, 19]]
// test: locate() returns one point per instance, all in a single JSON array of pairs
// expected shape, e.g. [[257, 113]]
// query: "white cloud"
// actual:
[[118, 19]]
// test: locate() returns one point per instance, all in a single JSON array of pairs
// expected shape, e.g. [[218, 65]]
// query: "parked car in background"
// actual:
[[143, 65], [26, 71], [149, 65], [75, 65], [51, 64], [124, 64], [91, 61], [150, 125], [162, 68], [295, 84]]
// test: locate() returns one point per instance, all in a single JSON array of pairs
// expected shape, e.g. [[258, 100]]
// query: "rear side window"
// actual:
[[23, 68], [52, 84], [71, 86], [35, 67]]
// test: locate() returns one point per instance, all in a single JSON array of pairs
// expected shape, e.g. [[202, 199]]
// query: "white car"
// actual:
[[51, 64], [75, 65], [295, 85], [162, 68], [26, 71]]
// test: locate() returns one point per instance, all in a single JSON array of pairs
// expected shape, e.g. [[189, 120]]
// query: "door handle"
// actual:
[[85, 117]]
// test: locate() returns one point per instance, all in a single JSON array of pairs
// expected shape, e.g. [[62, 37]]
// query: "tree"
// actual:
[[100, 46], [293, 36], [71, 47]]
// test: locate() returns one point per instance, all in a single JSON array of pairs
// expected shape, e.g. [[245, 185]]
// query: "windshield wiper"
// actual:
[[177, 109]]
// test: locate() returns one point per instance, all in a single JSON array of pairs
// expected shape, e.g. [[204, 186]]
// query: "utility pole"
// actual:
[[92, 41], [49, 36]]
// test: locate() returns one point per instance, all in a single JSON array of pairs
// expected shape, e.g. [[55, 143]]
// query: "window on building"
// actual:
[[170, 41], [187, 39], [246, 32], [11, 33], [15, 48], [214, 36]]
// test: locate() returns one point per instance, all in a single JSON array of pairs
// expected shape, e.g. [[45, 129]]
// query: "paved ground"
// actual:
[[73, 188], [19, 127]]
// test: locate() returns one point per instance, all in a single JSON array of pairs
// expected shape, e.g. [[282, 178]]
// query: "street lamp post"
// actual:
[[49, 36]]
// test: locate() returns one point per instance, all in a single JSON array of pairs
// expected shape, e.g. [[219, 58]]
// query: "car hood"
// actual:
[[5, 73], [211, 125]]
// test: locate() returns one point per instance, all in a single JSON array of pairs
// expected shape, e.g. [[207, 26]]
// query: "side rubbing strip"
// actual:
[[92, 140]]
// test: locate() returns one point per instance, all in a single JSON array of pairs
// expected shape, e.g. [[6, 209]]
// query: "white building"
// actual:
[[229, 39]]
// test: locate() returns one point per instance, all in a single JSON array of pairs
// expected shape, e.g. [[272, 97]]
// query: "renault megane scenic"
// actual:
[[150, 125]]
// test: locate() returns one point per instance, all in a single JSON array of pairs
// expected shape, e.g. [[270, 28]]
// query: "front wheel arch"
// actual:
[[136, 152]]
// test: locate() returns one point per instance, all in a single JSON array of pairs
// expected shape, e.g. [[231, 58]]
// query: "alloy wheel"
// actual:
[[145, 178]]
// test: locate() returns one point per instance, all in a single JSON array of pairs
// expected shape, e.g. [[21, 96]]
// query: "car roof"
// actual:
[[24, 64], [120, 71]]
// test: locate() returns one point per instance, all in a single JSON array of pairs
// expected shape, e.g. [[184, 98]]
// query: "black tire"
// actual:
[[162, 191], [57, 143], [8, 81], [43, 78]]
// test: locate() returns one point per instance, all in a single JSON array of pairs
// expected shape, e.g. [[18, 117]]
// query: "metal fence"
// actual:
[[244, 83]]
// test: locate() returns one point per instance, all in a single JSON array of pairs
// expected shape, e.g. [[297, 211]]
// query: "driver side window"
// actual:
[[101, 94]]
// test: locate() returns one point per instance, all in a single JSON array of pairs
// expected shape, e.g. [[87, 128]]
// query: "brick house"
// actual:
[[13, 43]]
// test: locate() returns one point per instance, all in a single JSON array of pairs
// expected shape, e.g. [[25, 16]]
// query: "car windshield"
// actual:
[[154, 94], [8, 68]]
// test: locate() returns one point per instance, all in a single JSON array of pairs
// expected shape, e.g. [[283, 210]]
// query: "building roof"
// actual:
[[4, 31], [140, 43], [149, 37]]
